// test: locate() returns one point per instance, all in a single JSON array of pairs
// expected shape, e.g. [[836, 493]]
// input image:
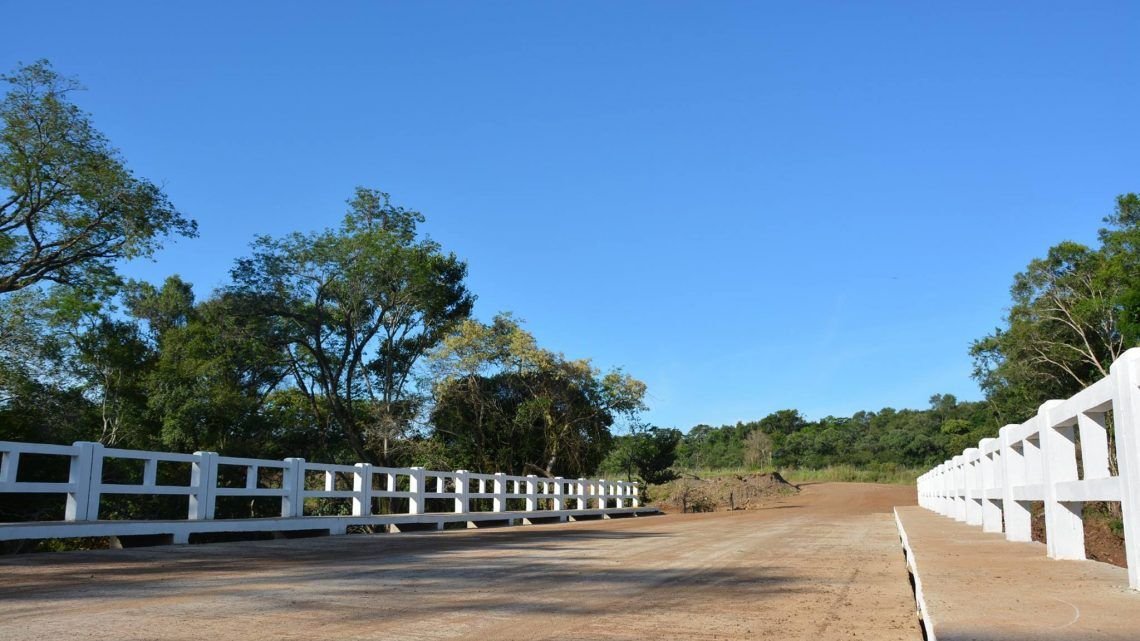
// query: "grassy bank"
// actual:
[[835, 474]]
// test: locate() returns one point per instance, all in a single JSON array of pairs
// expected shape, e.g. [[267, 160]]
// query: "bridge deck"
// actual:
[[979, 586], [824, 565]]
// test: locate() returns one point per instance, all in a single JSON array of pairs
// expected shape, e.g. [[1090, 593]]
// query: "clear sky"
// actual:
[[749, 206]]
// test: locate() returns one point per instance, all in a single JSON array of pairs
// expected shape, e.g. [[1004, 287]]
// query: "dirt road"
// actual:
[[824, 564]]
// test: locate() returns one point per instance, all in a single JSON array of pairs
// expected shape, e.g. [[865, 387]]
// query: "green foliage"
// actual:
[[503, 403], [69, 207], [647, 454], [360, 306], [1073, 312], [894, 438]]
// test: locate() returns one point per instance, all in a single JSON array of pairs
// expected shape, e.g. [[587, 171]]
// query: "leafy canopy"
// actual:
[[69, 207]]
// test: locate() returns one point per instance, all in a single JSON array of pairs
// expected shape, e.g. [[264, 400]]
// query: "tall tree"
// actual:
[[504, 403], [215, 367], [361, 305], [69, 207], [1073, 313]]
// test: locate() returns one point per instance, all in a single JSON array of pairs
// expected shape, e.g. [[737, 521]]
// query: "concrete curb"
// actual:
[[925, 619]]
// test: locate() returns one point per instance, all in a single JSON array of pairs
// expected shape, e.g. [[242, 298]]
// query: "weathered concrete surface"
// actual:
[[979, 586], [822, 565]]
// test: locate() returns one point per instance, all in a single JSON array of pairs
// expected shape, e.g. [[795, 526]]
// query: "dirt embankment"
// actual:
[[1104, 535], [735, 492]]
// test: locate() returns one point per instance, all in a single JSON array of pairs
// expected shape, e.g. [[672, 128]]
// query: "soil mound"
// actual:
[[735, 492]]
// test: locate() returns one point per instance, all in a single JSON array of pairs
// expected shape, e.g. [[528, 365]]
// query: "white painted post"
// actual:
[[959, 463], [1064, 528], [1018, 526], [95, 480], [950, 509], [619, 500], [531, 493], [293, 482], [500, 490], [362, 490], [1034, 461], [204, 480], [991, 508], [635, 501], [150, 472], [10, 463], [937, 491], [559, 485], [79, 477], [1094, 445], [1125, 373], [416, 487], [462, 490], [972, 469]]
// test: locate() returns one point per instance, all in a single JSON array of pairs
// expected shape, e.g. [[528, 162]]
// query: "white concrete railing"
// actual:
[[993, 485], [293, 480]]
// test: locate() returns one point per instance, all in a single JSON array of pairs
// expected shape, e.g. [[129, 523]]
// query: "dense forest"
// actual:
[[357, 342]]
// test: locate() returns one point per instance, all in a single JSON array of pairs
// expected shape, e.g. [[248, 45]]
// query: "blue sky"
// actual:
[[750, 206]]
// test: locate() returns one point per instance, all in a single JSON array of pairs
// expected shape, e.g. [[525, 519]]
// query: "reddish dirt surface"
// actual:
[[1101, 543], [822, 565]]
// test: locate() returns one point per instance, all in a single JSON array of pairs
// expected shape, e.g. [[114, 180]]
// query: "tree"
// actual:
[[215, 367], [1120, 242], [645, 453], [360, 305], [69, 207], [758, 449], [502, 403], [1073, 314]]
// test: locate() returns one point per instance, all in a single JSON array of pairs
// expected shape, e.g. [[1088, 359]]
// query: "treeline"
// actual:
[[888, 439], [351, 343]]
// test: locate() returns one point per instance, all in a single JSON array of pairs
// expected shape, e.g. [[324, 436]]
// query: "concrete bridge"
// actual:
[[837, 561]]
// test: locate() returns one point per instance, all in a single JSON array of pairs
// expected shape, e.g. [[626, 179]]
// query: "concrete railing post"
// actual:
[[1094, 445], [462, 492], [531, 493], [635, 499], [1125, 373], [293, 482], [1064, 527], [416, 488], [959, 467], [362, 490], [204, 480], [949, 504], [80, 476], [95, 481], [499, 488], [559, 485], [1018, 525], [972, 471], [991, 481], [935, 485]]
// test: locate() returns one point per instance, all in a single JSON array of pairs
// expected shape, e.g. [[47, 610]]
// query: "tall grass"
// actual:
[[832, 474]]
